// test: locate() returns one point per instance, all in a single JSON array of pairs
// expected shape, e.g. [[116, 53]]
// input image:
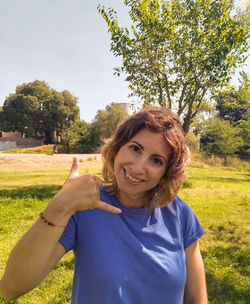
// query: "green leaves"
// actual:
[[177, 52], [220, 138], [233, 106], [86, 137], [37, 110], [107, 120]]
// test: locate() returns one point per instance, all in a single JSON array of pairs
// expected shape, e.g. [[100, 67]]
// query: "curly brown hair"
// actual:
[[158, 120]]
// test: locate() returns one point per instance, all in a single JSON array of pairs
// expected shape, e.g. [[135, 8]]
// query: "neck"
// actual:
[[135, 201]]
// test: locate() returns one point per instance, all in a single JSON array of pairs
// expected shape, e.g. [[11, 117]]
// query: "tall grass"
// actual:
[[220, 199]]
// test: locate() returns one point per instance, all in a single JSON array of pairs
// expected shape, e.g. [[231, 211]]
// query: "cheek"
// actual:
[[117, 163], [121, 156], [115, 167], [158, 174]]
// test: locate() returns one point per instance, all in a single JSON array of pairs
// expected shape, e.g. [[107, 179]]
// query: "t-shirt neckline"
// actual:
[[126, 210]]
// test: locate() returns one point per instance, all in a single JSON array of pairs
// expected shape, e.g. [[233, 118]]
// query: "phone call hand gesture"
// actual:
[[82, 192]]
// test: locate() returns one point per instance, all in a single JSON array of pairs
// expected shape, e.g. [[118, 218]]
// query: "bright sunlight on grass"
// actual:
[[47, 149], [220, 199]]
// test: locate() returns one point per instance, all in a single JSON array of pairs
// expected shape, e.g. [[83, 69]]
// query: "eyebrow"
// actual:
[[158, 155], [136, 142]]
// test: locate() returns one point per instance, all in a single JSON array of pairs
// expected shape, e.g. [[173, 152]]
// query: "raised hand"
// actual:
[[81, 192]]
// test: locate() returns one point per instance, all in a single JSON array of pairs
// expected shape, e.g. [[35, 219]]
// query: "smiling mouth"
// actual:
[[131, 179]]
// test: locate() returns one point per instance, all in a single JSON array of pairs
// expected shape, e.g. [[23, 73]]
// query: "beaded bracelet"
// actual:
[[43, 218]]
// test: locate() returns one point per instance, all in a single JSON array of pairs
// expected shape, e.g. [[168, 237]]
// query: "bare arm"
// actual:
[[195, 289], [37, 252], [31, 259]]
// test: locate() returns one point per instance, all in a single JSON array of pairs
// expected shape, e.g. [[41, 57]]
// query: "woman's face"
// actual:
[[139, 166]]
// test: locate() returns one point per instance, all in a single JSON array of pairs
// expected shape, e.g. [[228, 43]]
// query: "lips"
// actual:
[[132, 179]]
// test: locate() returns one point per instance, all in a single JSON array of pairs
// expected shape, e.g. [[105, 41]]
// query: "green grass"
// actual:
[[22, 196], [45, 149], [220, 199]]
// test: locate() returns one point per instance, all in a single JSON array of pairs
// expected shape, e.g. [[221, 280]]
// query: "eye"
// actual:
[[157, 161], [134, 148]]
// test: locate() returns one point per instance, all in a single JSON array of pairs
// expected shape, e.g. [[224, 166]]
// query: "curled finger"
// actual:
[[98, 181], [107, 207]]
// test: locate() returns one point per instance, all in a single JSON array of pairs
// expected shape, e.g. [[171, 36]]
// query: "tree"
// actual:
[[193, 142], [37, 110], [73, 137], [178, 52], [20, 113], [244, 151], [1, 119], [90, 140], [233, 105], [101, 128], [220, 138], [86, 137], [107, 120]]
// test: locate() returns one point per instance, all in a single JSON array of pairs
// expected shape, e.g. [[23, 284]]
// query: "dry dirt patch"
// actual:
[[23, 162]]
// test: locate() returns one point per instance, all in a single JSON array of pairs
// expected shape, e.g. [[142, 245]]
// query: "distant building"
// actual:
[[8, 140], [10, 135], [12, 140], [6, 144], [125, 106]]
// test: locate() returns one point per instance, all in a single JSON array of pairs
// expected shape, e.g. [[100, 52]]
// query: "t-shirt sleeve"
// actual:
[[191, 227], [68, 238]]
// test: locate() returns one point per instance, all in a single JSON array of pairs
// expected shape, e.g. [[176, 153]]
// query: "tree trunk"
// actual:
[[49, 137], [187, 123]]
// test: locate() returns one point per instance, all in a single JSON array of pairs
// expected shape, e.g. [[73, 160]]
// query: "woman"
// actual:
[[145, 248]]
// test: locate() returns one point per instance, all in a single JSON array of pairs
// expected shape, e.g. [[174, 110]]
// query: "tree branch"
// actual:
[[180, 108], [167, 89], [199, 103]]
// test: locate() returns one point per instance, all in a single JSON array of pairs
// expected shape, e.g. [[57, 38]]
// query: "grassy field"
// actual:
[[47, 149], [219, 197]]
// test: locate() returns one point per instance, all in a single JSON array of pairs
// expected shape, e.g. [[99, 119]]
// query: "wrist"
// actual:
[[58, 213]]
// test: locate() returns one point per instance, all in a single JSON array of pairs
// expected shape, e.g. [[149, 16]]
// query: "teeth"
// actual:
[[132, 179]]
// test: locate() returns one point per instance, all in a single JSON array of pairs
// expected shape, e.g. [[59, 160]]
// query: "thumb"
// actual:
[[75, 168]]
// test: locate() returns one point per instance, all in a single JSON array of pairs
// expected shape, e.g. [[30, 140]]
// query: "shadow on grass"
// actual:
[[224, 291], [235, 254], [243, 178], [227, 266], [69, 265], [231, 286], [39, 192], [64, 297]]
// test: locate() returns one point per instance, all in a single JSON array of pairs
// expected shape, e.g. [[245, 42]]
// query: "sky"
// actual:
[[66, 44]]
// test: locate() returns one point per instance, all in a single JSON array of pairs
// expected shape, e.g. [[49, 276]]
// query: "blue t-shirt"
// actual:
[[132, 257]]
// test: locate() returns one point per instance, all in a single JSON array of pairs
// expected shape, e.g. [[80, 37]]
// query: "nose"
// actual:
[[139, 167]]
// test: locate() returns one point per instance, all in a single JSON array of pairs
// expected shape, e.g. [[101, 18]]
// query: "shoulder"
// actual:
[[176, 213], [178, 207], [191, 227], [184, 208]]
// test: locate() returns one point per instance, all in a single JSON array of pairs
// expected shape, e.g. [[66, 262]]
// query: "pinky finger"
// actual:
[[107, 207]]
